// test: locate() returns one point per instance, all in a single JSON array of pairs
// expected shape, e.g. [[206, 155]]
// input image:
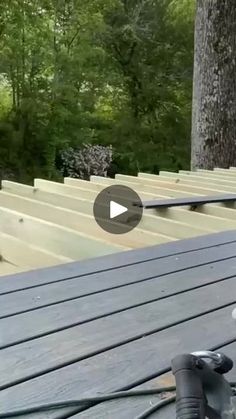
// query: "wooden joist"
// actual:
[[209, 185], [23, 255], [189, 223], [213, 177], [146, 188], [52, 237], [183, 184], [149, 230], [52, 222], [86, 206], [212, 222], [78, 221]]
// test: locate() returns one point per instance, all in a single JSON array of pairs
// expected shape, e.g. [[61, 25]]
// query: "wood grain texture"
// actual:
[[113, 322], [68, 346], [129, 408], [64, 315], [123, 366]]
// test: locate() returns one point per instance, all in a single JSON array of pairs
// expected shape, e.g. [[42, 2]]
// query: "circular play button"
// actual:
[[118, 209]]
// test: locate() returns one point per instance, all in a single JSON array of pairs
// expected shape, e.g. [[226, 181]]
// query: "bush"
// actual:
[[86, 161]]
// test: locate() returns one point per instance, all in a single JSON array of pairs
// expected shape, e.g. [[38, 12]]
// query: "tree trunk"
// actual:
[[214, 87]]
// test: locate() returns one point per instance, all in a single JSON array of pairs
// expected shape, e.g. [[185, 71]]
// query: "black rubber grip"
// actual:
[[190, 399]]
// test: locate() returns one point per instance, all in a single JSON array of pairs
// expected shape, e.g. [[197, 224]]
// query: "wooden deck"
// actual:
[[114, 323]]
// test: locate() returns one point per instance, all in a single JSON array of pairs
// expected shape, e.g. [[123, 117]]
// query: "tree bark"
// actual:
[[214, 86]]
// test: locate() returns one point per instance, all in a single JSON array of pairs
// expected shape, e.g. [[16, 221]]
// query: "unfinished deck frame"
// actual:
[[58, 223], [57, 325], [192, 202]]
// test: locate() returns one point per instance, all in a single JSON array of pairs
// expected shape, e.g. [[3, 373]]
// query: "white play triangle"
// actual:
[[116, 209]]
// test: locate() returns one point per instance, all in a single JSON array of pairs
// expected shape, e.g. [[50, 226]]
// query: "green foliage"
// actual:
[[101, 72]]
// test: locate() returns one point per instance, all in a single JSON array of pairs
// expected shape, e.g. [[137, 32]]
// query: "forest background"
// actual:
[[110, 73]]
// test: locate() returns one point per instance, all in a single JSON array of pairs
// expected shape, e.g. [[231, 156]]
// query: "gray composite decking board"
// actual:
[[127, 408], [48, 320], [131, 407], [82, 341], [116, 351], [14, 303], [122, 367], [12, 283], [192, 201]]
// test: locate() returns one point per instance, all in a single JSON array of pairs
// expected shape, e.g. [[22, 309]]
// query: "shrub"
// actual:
[[86, 161]]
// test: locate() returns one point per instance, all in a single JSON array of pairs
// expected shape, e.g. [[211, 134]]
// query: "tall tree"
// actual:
[[214, 92], [151, 43]]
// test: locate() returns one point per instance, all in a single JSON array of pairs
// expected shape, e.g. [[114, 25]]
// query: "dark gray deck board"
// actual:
[[74, 270], [64, 315], [123, 366], [126, 408], [83, 341], [192, 201], [35, 298], [114, 323], [129, 408]]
